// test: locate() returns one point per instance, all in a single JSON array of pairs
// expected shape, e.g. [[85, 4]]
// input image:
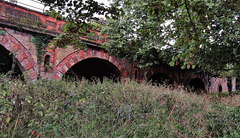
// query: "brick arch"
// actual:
[[23, 56], [81, 55], [190, 77], [196, 82], [217, 83], [161, 69]]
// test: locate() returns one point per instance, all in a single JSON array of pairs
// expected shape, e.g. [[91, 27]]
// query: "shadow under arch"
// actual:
[[197, 85], [220, 88], [78, 56], [93, 69], [9, 64], [160, 78]]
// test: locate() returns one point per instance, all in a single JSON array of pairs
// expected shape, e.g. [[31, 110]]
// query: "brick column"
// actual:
[[233, 84]]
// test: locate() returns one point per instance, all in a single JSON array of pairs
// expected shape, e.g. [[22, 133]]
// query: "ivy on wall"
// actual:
[[41, 42]]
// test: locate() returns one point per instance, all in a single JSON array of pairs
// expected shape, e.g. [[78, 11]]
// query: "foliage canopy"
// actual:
[[189, 33]]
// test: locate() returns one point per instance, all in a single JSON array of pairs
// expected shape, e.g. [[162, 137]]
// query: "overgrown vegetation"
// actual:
[[123, 109], [41, 42]]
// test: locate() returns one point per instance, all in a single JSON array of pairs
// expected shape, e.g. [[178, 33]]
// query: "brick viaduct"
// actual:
[[18, 26]]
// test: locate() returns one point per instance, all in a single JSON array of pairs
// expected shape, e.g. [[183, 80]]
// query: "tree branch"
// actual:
[[190, 17]]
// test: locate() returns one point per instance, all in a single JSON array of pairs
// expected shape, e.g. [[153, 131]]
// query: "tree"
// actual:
[[79, 16], [198, 33], [189, 33]]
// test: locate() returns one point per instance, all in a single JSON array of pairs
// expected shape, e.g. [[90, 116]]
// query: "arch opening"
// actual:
[[197, 85], [160, 79], [220, 88], [136, 74], [47, 61], [8, 64], [93, 69]]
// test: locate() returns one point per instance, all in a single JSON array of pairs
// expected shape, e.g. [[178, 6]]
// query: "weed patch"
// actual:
[[65, 109]]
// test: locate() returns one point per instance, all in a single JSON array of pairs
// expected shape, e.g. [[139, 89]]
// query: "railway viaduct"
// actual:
[[19, 26]]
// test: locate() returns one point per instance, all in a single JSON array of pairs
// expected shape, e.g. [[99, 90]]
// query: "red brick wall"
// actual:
[[22, 54], [73, 58]]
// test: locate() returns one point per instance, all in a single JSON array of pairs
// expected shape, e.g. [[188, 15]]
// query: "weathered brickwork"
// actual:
[[62, 53], [217, 82], [24, 57], [61, 60], [78, 56], [14, 13], [23, 38], [17, 41]]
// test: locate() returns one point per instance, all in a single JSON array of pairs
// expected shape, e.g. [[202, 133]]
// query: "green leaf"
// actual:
[[40, 113], [182, 47], [183, 67], [193, 66], [41, 105], [171, 63], [8, 119]]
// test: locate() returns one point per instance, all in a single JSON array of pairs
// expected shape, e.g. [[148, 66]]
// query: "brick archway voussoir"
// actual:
[[217, 83], [23, 56], [155, 70], [80, 55]]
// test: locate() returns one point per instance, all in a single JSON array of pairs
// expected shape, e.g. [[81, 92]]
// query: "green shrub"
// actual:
[[123, 109]]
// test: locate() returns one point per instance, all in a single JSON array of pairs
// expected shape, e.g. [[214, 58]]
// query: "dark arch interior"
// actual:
[[46, 61], [220, 88], [160, 78], [94, 68], [6, 63], [197, 85]]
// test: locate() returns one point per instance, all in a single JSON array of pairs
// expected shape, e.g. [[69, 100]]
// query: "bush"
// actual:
[[83, 109]]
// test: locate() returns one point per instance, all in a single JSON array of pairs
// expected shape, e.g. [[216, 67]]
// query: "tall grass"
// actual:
[[124, 109]]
